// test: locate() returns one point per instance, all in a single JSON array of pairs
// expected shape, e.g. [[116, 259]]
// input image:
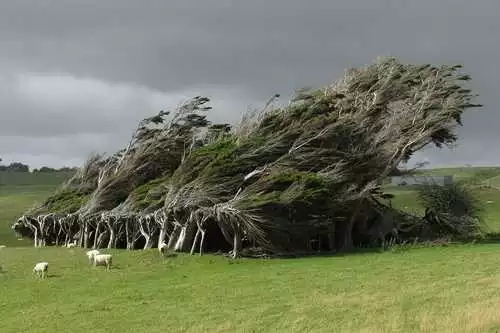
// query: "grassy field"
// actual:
[[440, 289], [486, 179], [18, 192], [448, 289]]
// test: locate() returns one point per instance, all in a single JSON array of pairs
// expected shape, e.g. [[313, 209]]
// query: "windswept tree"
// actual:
[[313, 168], [156, 148], [298, 178]]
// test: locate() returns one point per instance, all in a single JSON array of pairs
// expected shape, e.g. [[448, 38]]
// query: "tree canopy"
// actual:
[[284, 178]]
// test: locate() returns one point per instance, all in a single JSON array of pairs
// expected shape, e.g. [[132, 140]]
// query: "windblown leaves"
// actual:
[[285, 173]]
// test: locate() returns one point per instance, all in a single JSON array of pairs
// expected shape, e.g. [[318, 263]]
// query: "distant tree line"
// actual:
[[63, 169], [21, 167]]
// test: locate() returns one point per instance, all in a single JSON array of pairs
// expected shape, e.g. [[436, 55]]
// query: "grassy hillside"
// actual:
[[10, 180], [446, 289], [440, 289], [18, 192], [486, 183]]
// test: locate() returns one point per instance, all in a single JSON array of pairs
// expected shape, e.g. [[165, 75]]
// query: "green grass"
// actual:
[[19, 191], [489, 198], [17, 179], [440, 289], [448, 289], [483, 179]]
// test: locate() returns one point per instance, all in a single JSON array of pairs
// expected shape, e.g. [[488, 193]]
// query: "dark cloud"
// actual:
[[104, 63]]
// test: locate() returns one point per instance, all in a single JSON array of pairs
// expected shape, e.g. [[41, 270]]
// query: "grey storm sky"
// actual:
[[77, 76]]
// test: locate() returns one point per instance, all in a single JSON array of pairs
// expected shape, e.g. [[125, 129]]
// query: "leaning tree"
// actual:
[[297, 178]]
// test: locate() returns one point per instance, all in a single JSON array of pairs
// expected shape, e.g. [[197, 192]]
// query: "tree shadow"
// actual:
[[103, 268], [321, 254], [169, 255], [52, 275], [491, 238]]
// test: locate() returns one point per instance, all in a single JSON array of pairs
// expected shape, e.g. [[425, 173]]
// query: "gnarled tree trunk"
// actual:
[[111, 223], [86, 233], [97, 233]]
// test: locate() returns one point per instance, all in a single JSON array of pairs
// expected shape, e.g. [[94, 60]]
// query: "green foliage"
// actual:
[[150, 193], [455, 199], [451, 210], [298, 185], [66, 201], [220, 149]]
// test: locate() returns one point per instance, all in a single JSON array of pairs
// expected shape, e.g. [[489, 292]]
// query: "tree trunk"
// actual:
[[128, 235], [162, 235], [40, 231], [202, 241], [149, 243], [112, 237], [66, 239], [86, 234], [40, 238], [226, 235], [35, 240], [59, 233], [80, 237], [97, 235], [193, 246], [101, 239], [188, 236], [236, 244], [182, 237], [174, 236], [146, 232], [118, 235]]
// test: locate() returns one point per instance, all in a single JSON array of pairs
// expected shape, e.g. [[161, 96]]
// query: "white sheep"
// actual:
[[90, 254], [3, 246], [103, 260], [41, 269], [71, 245], [162, 247]]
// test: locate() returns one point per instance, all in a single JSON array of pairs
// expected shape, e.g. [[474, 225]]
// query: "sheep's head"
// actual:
[[91, 254], [23, 226]]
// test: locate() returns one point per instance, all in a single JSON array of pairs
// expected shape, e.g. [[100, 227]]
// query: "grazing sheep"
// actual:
[[90, 254], [41, 269], [3, 246], [162, 247], [71, 245], [103, 260]]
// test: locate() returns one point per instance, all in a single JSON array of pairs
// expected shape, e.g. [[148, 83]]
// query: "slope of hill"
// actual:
[[18, 192], [484, 180]]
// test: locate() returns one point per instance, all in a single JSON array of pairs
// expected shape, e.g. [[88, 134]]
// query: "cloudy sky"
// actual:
[[76, 76]]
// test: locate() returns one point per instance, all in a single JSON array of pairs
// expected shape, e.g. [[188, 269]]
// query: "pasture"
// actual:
[[447, 289], [18, 192], [435, 289]]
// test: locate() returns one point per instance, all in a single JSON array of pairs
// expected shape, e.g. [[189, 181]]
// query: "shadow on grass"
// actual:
[[490, 238], [169, 255], [112, 268], [298, 255], [51, 276], [394, 248]]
